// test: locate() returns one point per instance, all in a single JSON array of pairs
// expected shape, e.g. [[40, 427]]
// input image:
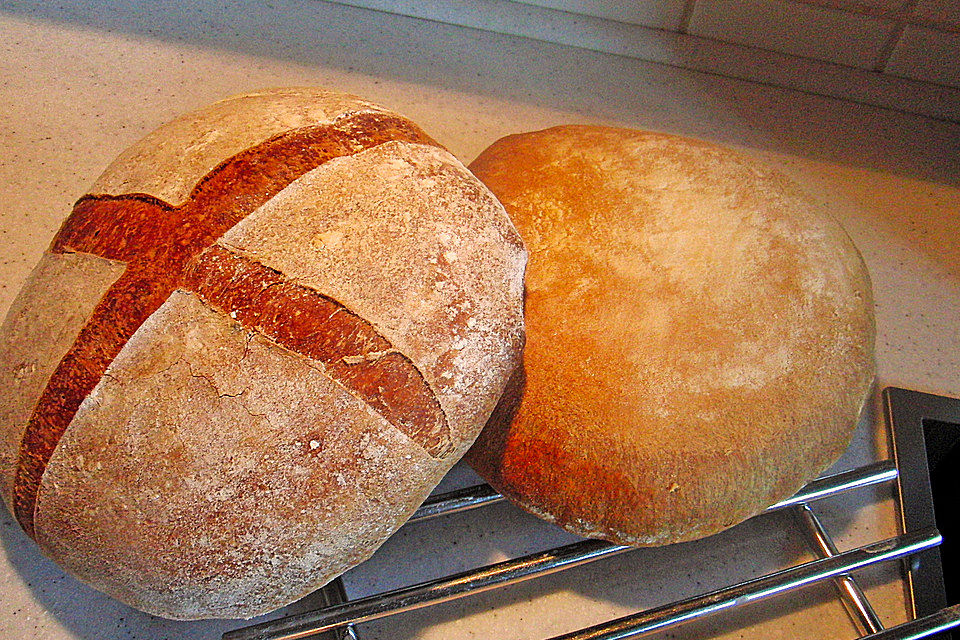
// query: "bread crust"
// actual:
[[699, 339], [218, 434], [446, 319], [64, 286], [169, 162], [215, 471]]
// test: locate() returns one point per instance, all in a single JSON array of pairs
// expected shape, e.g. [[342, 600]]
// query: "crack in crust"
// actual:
[[156, 241], [319, 327]]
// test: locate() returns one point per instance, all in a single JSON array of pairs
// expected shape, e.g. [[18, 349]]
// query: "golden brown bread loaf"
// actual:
[[253, 350], [699, 339]]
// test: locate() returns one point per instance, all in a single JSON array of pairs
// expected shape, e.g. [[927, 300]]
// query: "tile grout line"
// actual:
[[901, 18], [855, 8], [685, 15]]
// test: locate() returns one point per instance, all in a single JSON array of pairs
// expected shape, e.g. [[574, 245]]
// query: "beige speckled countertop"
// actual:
[[79, 83]]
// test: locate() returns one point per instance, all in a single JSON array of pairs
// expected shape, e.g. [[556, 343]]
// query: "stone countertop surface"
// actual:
[[82, 81]]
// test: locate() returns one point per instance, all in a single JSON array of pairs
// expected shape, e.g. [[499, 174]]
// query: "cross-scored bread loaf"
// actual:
[[699, 338], [252, 351]]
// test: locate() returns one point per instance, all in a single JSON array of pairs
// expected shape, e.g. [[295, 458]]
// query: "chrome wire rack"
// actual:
[[918, 540]]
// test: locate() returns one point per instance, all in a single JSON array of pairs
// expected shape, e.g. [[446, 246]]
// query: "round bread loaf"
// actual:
[[252, 350], [699, 339]]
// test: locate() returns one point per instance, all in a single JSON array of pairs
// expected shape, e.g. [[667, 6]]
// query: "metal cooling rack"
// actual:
[[916, 547]]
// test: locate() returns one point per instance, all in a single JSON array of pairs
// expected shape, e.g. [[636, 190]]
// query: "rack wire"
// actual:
[[336, 620]]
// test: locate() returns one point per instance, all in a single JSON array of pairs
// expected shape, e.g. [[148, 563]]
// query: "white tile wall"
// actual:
[[659, 14], [887, 5], [863, 6], [524, 19], [848, 38], [943, 12], [794, 28], [927, 54]]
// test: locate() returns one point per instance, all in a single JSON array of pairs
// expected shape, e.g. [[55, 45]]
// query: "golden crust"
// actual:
[[213, 472], [699, 339], [62, 286], [326, 231], [168, 162]]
